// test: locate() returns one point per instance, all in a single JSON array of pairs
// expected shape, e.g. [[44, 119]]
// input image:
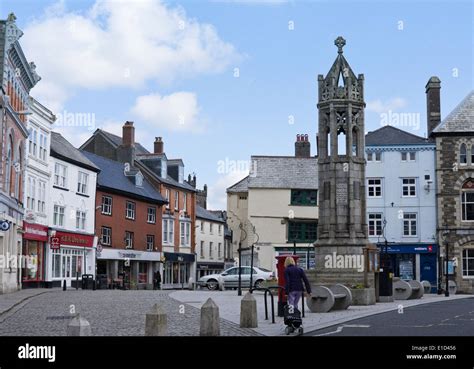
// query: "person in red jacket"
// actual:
[[294, 278]]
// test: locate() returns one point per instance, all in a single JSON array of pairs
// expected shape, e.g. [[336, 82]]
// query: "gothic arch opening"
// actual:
[[341, 141]]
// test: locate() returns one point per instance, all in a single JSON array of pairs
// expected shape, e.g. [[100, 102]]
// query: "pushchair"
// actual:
[[292, 319]]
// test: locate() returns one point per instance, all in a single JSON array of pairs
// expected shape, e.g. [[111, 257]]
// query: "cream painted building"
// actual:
[[276, 208]]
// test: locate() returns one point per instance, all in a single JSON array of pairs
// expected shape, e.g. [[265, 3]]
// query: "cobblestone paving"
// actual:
[[110, 313]]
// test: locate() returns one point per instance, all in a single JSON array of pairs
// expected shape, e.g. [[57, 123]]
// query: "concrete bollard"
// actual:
[[79, 327], [248, 312], [156, 322], [210, 323], [64, 285]]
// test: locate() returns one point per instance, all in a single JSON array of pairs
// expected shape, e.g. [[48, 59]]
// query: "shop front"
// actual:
[[209, 268], [413, 261], [69, 256], [177, 270], [35, 238], [128, 269]]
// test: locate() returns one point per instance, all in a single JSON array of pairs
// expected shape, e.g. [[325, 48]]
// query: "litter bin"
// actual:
[[87, 281]]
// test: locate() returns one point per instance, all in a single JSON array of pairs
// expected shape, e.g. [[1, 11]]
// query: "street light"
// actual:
[[446, 292]]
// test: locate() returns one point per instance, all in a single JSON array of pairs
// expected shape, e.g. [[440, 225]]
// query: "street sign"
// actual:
[[55, 243]]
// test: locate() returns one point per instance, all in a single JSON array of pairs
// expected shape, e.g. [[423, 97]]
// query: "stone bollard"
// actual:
[[79, 327], [64, 285], [210, 323], [248, 312], [156, 322]]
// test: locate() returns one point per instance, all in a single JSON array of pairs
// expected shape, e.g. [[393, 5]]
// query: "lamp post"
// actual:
[[446, 292]]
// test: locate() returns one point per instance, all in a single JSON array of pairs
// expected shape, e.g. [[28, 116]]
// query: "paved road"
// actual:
[[449, 318], [110, 313]]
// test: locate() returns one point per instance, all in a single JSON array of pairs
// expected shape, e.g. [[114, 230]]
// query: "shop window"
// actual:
[[302, 231], [142, 273]]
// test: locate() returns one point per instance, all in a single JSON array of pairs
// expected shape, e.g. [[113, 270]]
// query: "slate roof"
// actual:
[[111, 176], [202, 213], [284, 172], [240, 186], [140, 150], [117, 141], [461, 119], [389, 135], [63, 149]]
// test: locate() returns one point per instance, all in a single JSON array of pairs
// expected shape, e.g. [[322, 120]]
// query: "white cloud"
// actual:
[[176, 112], [217, 199], [120, 43], [378, 106]]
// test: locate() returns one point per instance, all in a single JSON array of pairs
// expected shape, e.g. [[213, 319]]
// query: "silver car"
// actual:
[[230, 278]]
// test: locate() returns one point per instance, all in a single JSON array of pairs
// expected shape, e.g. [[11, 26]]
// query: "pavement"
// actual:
[[109, 312], [229, 309]]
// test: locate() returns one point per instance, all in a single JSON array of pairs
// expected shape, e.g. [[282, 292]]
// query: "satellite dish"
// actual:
[[4, 226]]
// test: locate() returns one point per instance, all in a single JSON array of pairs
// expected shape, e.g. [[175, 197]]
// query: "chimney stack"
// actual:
[[126, 151], [302, 146], [158, 145], [128, 134], [433, 104]]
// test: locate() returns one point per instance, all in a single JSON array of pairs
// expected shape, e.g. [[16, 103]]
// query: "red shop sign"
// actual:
[[75, 239], [35, 232]]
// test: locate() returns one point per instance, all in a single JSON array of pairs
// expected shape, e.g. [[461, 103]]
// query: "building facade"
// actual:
[[167, 176], [275, 208], [71, 215], [401, 201], [454, 138], [210, 243], [37, 193], [128, 223], [17, 78]]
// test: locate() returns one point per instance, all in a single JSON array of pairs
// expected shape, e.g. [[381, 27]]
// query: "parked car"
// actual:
[[230, 278]]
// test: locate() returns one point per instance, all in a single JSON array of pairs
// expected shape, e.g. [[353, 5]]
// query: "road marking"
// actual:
[[341, 327]]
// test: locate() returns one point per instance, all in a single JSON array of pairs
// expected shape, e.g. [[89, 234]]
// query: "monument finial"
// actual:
[[339, 42]]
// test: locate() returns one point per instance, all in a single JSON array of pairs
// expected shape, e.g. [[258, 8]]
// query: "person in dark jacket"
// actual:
[[294, 278], [157, 280]]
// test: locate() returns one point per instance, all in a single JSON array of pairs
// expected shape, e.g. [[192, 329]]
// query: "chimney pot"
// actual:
[[433, 104], [302, 146]]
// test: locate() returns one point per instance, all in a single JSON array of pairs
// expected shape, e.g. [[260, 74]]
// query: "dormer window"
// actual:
[[139, 180]]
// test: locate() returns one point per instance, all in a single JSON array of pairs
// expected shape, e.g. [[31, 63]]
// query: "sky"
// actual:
[[221, 80]]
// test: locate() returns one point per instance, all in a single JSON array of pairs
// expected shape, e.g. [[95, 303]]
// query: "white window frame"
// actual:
[[466, 272], [41, 197], [409, 186], [408, 217], [108, 236], [168, 231], [374, 186], [185, 234], [464, 206], [375, 218], [81, 219], [148, 238], [151, 216], [130, 211], [167, 197], [202, 249], [58, 215], [219, 229], [176, 200], [60, 175], [106, 208], [129, 236], [82, 181], [185, 198]]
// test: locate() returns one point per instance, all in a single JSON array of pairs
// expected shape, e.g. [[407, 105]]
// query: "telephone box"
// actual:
[[281, 280]]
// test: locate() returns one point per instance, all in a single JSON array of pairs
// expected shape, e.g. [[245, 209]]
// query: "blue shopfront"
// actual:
[[413, 261]]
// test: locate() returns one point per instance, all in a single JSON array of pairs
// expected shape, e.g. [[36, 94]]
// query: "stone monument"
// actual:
[[342, 227]]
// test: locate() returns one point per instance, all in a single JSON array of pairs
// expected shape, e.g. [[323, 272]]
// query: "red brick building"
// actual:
[[128, 224], [177, 226]]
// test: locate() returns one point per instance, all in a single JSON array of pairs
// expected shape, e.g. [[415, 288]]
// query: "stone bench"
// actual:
[[325, 298], [426, 286], [407, 290]]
